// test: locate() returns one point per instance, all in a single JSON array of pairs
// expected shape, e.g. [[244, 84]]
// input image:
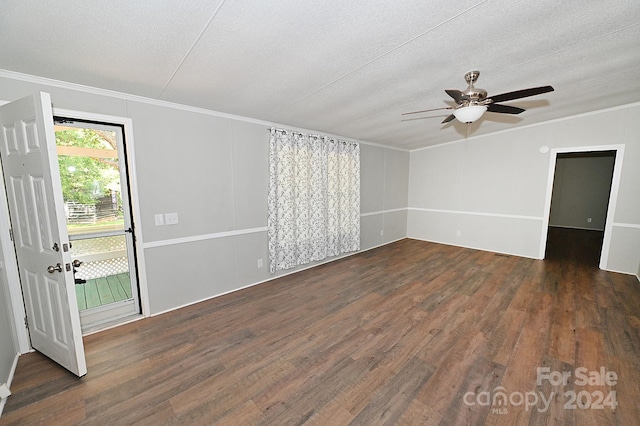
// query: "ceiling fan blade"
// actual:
[[448, 119], [425, 110], [504, 109], [457, 95], [524, 93]]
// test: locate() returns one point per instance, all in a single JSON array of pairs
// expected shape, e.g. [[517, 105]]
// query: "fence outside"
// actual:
[[105, 209]]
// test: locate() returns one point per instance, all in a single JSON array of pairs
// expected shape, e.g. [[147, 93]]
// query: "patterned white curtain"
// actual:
[[314, 198]]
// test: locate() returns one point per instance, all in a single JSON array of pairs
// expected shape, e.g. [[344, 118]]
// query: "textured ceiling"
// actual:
[[345, 68]]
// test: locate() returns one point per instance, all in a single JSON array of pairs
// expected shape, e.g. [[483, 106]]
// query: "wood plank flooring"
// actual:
[[412, 333], [102, 291]]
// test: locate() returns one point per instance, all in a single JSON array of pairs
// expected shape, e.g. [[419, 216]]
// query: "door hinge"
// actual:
[[11, 233], [26, 322]]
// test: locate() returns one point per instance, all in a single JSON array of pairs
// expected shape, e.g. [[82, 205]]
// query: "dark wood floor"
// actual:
[[411, 333]]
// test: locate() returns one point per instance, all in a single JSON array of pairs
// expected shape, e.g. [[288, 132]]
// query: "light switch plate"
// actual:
[[159, 218], [171, 218]]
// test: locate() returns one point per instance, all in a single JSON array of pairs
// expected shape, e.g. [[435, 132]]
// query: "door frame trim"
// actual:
[[10, 261], [93, 318], [613, 196], [127, 124]]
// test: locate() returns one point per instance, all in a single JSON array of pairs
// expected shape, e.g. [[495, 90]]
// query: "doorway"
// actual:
[[581, 198], [581, 190], [95, 184]]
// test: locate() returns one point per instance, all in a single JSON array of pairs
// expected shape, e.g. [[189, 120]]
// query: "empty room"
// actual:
[[319, 213]]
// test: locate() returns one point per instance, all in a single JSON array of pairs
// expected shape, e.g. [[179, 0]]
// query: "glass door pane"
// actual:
[[90, 175], [103, 276], [98, 219]]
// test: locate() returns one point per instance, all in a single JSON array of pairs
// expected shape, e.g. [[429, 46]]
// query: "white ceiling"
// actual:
[[345, 68]]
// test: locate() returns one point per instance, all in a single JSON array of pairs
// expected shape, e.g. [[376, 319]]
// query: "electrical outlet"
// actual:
[[381, 232], [159, 218], [589, 220], [458, 233], [260, 263], [171, 218]]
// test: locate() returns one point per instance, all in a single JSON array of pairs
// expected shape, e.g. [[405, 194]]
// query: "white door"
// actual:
[[32, 180]]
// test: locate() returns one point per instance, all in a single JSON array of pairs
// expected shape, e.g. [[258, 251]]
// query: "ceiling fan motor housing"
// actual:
[[474, 94]]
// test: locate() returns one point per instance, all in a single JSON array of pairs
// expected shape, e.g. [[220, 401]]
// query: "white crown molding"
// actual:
[[28, 78], [528, 126]]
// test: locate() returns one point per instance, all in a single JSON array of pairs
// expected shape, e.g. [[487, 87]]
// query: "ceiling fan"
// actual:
[[473, 102]]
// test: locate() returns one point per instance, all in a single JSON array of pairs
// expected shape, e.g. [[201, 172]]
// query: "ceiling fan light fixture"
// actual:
[[469, 113]]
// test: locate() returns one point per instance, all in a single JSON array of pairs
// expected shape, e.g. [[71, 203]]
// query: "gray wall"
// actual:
[[488, 192], [8, 344], [581, 190], [384, 177], [213, 171]]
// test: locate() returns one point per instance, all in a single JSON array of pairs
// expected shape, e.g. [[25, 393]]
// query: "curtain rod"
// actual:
[[284, 132]]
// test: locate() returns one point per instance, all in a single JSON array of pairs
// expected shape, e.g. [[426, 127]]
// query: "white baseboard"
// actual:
[[475, 248], [3, 401], [322, 262]]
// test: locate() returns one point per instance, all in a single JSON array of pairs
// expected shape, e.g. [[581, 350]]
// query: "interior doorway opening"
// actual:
[[581, 195], [95, 184]]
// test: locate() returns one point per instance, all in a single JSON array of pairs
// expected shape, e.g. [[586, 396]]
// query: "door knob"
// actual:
[[76, 263], [52, 269]]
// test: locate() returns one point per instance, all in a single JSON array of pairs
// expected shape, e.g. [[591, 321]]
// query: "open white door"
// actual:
[[34, 192]]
